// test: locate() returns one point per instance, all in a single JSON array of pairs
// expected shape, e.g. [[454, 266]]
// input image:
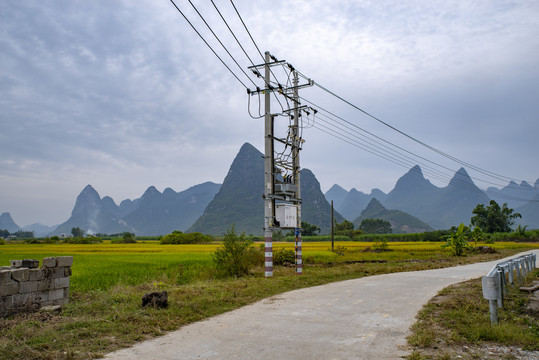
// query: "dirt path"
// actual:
[[367, 318]]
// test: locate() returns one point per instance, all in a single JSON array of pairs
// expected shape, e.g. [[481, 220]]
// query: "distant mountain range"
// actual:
[[440, 208], [154, 213], [401, 222], [413, 205]]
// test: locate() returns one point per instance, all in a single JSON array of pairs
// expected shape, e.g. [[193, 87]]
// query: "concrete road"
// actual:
[[367, 318]]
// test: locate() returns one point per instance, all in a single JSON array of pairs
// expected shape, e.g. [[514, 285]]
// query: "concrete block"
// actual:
[[56, 273], [68, 272], [10, 288], [5, 276], [6, 301], [48, 262], [46, 284], [5, 267], [28, 286], [20, 274], [35, 274], [56, 294], [61, 283], [63, 261], [66, 294], [15, 264], [40, 296], [30, 263], [21, 299]]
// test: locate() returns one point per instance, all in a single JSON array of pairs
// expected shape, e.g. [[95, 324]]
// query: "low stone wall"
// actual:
[[24, 286]]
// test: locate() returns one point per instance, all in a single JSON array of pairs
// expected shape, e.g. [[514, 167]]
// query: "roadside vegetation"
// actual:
[[456, 324]]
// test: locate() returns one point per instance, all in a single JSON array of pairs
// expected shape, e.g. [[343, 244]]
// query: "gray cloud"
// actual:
[[124, 95]]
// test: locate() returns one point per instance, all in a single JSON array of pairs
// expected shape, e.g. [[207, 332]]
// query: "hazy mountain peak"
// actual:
[[412, 179], [7, 223], [169, 192], [525, 185], [355, 191], [336, 187], [89, 191], [461, 178], [374, 206], [151, 191]]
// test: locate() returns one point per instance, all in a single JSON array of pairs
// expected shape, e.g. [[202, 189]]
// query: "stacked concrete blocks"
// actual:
[[24, 286]]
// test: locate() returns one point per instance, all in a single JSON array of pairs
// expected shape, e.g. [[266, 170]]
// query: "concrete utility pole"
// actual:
[[269, 201], [295, 159]]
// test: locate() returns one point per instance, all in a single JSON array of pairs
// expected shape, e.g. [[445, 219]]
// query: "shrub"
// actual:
[[381, 245], [236, 256], [51, 240], [457, 241], [2, 241], [177, 237], [127, 238], [83, 240], [283, 256]]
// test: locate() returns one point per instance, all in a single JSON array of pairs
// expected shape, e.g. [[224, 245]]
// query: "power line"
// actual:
[[220, 42], [257, 48], [392, 144], [476, 168], [208, 45], [232, 32]]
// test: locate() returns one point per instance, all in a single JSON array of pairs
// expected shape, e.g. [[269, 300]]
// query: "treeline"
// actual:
[[21, 234]]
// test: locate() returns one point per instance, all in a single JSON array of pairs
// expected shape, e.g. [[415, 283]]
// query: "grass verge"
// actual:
[[456, 324]]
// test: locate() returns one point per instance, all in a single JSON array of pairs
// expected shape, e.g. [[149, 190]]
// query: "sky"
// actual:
[[124, 95]]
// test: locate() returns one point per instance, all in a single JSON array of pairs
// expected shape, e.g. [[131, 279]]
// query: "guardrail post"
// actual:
[[519, 274], [500, 288], [510, 271], [493, 307]]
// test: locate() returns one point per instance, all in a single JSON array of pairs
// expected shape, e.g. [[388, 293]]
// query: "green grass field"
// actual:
[[108, 282]]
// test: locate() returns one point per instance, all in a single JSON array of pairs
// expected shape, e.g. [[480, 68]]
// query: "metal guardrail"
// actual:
[[502, 275]]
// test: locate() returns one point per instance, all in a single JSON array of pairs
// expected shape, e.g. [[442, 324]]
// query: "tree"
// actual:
[[345, 225], [346, 228], [309, 230], [493, 218], [77, 232], [375, 226], [4, 233], [24, 234]]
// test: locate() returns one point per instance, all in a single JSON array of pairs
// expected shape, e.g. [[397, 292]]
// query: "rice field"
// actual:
[[103, 266]]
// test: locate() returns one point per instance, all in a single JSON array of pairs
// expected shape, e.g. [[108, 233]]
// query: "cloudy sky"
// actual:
[[123, 94]]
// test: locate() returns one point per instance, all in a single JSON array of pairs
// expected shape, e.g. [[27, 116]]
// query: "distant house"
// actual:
[[63, 236], [11, 237]]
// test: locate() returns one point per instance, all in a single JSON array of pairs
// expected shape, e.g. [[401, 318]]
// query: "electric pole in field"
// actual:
[[269, 201], [282, 195]]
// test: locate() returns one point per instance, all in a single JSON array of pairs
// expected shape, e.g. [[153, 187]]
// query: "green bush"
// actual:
[[2, 241], [84, 240], [127, 238], [282, 256], [458, 241], [177, 237], [51, 240], [236, 256]]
